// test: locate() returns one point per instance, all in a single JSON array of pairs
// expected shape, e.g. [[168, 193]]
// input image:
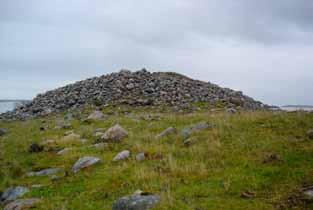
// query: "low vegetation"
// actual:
[[248, 160]]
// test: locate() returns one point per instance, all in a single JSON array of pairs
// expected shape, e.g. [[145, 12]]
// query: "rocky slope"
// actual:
[[134, 88]]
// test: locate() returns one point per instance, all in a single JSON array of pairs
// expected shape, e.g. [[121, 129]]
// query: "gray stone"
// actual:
[[140, 156], [13, 193], [200, 126], [137, 202], [45, 172], [64, 151], [122, 155], [99, 146], [189, 142], [186, 133], [96, 115], [167, 132], [231, 110], [22, 204], [308, 193], [3, 131], [84, 163], [114, 134]]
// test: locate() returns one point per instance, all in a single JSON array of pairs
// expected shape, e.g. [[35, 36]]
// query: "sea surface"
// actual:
[[296, 108], [7, 106]]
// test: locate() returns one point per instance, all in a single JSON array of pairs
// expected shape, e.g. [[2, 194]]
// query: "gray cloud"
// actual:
[[261, 47]]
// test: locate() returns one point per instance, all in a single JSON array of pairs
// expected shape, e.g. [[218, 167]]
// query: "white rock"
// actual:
[[22, 204], [122, 155], [96, 115], [114, 134], [84, 162]]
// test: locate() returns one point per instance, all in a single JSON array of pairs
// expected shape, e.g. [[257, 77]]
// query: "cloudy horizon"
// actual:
[[263, 48]]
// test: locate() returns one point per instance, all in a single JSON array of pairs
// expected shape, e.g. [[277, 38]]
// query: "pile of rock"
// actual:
[[133, 88]]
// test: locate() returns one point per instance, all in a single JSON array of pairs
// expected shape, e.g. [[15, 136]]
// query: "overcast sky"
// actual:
[[264, 48]]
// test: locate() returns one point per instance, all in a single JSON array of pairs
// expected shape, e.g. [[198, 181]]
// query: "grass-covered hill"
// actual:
[[249, 160]]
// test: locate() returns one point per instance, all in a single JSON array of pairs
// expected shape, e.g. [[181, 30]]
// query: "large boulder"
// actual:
[[114, 134], [137, 202], [22, 204], [84, 163]]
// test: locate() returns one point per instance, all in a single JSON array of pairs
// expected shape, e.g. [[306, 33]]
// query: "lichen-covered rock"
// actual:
[[84, 163], [13, 193], [137, 202], [114, 134], [22, 204]]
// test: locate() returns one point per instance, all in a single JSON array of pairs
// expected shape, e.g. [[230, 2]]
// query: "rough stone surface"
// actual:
[[84, 163], [308, 193], [122, 155], [2, 131], [13, 193], [139, 88], [114, 134], [22, 204], [96, 115], [140, 156], [137, 202], [200, 126], [187, 132], [45, 172], [167, 132]]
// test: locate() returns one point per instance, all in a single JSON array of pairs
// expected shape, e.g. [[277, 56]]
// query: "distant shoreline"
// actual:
[[13, 100]]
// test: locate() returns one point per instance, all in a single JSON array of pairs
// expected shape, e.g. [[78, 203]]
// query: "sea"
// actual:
[[7, 106]]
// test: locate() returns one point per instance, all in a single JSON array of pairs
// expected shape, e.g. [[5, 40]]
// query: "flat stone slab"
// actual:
[[137, 202], [166, 132], [22, 204], [64, 151], [84, 162], [45, 172], [13, 193]]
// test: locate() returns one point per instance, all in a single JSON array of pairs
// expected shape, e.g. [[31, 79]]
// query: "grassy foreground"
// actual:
[[264, 154]]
